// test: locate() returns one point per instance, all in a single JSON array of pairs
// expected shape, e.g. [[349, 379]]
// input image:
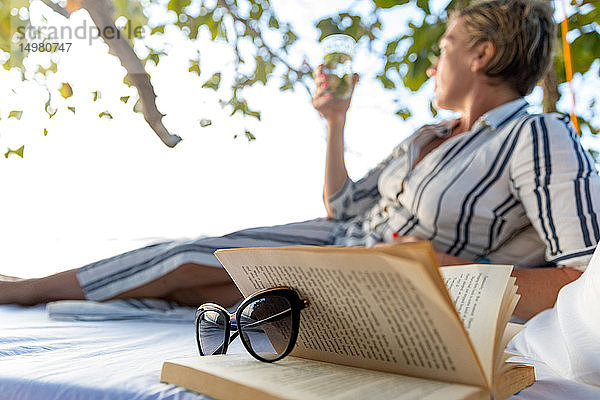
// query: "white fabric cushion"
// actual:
[[567, 337]]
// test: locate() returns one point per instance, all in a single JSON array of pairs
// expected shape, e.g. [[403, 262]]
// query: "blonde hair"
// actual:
[[522, 32]]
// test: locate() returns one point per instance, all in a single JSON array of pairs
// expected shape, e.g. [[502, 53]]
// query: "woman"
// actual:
[[495, 185]]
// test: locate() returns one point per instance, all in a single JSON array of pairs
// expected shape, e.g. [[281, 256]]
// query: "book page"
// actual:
[[298, 379], [369, 310], [511, 331], [478, 291]]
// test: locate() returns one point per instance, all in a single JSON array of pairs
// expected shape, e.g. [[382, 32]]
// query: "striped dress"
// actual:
[[516, 189]]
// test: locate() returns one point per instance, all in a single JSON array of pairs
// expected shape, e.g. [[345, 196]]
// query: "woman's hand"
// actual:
[[332, 109]]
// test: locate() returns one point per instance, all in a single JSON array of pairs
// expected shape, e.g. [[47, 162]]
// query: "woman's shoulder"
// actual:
[[548, 124], [553, 130], [549, 138]]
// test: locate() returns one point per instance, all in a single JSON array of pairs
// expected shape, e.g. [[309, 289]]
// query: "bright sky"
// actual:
[[94, 187]]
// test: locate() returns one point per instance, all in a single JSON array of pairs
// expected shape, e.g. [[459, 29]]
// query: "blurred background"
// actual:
[[85, 176]]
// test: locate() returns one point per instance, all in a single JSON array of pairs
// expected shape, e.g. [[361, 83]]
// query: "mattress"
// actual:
[[46, 359], [43, 359]]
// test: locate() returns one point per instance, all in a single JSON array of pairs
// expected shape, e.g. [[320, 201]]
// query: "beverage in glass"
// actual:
[[338, 50]]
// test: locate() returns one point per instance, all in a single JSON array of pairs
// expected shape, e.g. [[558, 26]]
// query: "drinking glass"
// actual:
[[338, 51]]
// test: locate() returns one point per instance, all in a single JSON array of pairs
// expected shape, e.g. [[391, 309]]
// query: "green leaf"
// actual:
[[45, 132], [154, 56], [433, 110], [595, 155], [391, 47], [214, 81], [18, 152], [389, 3], [416, 75], [386, 82], [289, 38], [178, 5], [138, 107], [327, 27], [66, 90], [124, 99], [205, 122], [579, 20], [420, 54], [256, 11], [53, 67], [424, 5], [195, 67], [241, 105], [72, 109], [263, 70], [586, 49], [287, 84], [249, 136], [49, 109], [105, 114], [96, 95], [404, 113], [273, 22], [15, 114], [158, 29]]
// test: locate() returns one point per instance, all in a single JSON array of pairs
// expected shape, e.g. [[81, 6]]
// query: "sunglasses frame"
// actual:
[[286, 292]]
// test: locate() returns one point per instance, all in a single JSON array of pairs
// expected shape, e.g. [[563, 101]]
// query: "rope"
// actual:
[[564, 27]]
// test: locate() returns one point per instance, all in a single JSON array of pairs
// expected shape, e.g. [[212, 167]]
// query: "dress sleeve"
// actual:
[[559, 187], [354, 198]]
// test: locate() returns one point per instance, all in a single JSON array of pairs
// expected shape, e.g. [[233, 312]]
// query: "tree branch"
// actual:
[[550, 85], [56, 8], [551, 93], [101, 12], [236, 17]]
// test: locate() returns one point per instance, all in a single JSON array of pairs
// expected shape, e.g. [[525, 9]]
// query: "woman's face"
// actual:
[[452, 71]]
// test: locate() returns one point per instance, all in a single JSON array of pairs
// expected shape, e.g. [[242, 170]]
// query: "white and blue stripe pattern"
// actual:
[[518, 189], [107, 278]]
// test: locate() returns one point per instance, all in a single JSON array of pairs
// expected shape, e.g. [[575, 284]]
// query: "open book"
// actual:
[[386, 322]]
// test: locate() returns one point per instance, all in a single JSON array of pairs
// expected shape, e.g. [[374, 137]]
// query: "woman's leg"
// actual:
[[189, 284], [182, 271], [61, 286]]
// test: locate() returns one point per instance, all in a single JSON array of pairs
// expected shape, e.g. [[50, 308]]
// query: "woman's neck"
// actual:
[[480, 103]]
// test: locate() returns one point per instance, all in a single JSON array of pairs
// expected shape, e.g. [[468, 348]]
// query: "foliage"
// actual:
[[254, 24]]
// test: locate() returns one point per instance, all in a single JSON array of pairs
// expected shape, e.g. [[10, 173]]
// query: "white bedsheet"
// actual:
[[43, 359], [67, 360]]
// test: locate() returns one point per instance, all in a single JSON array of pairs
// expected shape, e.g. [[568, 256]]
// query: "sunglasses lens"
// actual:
[[211, 332], [266, 326]]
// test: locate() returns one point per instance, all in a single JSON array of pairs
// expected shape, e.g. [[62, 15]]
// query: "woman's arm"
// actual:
[[335, 166], [334, 112], [538, 287]]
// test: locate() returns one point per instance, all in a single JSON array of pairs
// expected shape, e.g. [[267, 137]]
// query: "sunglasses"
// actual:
[[267, 322]]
